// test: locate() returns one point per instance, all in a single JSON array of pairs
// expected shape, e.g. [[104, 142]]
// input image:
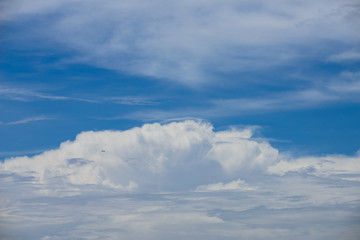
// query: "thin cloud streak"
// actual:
[[30, 119], [236, 107], [131, 100], [28, 95]]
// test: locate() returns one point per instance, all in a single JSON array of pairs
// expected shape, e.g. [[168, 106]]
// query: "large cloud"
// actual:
[[183, 154], [189, 41], [145, 156], [180, 180]]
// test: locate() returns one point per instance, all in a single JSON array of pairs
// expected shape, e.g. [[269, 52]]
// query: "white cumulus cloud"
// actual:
[[143, 156]]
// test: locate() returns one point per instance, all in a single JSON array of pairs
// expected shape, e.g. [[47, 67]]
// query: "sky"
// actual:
[[185, 119]]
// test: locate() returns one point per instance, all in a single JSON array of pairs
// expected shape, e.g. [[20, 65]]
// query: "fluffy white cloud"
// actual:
[[125, 159], [186, 40], [183, 154], [235, 150]]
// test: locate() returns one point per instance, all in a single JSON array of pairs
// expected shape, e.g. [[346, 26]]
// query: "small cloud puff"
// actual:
[[238, 185]]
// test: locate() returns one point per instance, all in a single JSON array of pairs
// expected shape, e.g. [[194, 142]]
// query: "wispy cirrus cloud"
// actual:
[[131, 100], [189, 41], [344, 88], [28, 95], [219, 108], [30, 119], [23, 94]]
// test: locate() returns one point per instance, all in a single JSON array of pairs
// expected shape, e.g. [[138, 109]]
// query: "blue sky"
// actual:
[[150, 85]]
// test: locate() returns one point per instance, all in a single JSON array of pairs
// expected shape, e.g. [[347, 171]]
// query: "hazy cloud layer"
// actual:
[[180, 180]]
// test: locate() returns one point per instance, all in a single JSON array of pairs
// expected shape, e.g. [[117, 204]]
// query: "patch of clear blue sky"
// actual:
[[96, 100]]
